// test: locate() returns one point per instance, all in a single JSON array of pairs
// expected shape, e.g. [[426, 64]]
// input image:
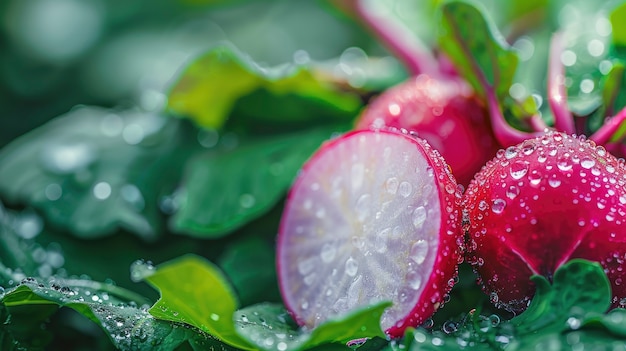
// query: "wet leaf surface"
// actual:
[[221, 192], [270, 327], [94, 171]]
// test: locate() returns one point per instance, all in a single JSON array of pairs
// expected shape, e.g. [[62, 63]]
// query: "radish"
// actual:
[[445, 112], [373, 216], [435, 102], [541, 203]]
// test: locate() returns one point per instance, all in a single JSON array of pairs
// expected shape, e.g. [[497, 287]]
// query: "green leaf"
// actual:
[[194, 291], [94, 171], [250, 265], [269, 327], [618, 25], [17, 250], [477, 49], [112, 308], [569, 296], [210, 87], [222, 191]]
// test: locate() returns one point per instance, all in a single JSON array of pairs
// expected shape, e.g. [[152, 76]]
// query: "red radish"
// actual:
[[445, 113], [435, 102], [373, 216], [539, 204]]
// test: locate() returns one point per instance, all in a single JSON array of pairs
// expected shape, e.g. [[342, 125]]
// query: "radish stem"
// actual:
[[608, 130], [557, 93], [399, 40], [505, 134]]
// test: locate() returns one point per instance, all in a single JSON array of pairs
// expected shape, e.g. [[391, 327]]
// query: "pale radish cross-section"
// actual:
[[362, 226]]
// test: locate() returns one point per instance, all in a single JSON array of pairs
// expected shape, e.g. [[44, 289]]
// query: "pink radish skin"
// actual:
[[442, 111], [539, 204], [372, 216]]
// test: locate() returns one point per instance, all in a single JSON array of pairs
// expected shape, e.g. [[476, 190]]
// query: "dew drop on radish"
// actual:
[[483, 205], [535, 177], [554, 182], [306, 266], [419, 217], [414, 279], [587, 163], [391, 185], [362, 207], [518, 169], [419, 250], [328, 252], [512, 192], [352, 266], [498, 206], [510, 152], [405, 189], [564, 164]]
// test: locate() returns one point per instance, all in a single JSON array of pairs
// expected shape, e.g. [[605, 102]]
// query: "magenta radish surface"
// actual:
[[539, 204], [373, 216], [445, 112]]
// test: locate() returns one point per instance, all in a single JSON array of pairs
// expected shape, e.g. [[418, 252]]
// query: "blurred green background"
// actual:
[[55, 54]]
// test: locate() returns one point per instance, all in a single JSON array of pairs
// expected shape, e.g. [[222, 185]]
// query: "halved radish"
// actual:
[[373, 216]]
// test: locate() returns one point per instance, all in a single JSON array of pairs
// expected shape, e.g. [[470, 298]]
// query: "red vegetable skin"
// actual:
[[373, 216], [443, 111], [539, 204]]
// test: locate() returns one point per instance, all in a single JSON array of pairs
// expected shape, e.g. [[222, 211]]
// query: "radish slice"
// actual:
[[373, 216]]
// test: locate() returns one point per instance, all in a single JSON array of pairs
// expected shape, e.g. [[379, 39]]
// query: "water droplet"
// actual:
[[208, 138], [518, 169], [111, 125], [394, 109], [528, 147], [512, 192], [246, 200], [419, 217], [510, 152], [307, 265], [362, 207], [564, 164], [498, 206], [68, 158], [132, 195], [554, 182], [494, 298], [482, 205], [352, 266], [391, 185], [140, 270], [573, 323], [568, 58], [320, 213], [450, 188], [53, 192], [310, 279], [587, 85], [587, 163], [414, 279], [102, 190], [534, 177], [405, 189], [328, 252], [215, 317], [133, 134], [418, 251]]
